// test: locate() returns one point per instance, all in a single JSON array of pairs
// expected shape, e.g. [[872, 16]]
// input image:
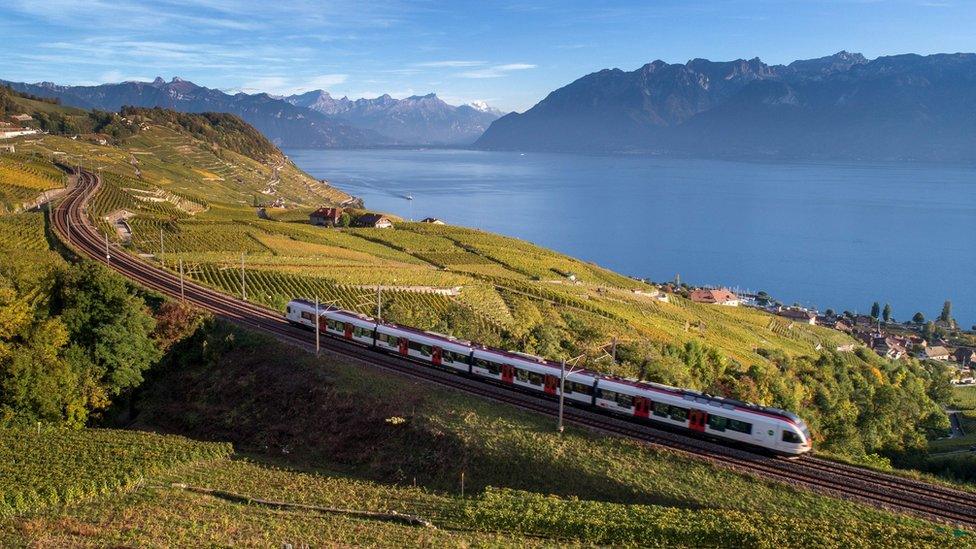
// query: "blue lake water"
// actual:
[[838, 235]]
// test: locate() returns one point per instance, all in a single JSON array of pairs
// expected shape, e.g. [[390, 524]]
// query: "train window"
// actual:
[[677, 413], [307, 315], [717, 423], [740, 426], [791, 437], [521, 375], [582, 388], [288, 309], [606, 395], [660, 409], [492, 367], [387, 339], [426, 350], [414, 345], [535, 379], [626, 401]]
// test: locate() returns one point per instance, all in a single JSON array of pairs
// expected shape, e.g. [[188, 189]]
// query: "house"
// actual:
[[889, 347], [328, 217], [378, 221], [842, 325], [798, 315], [965, 356], [935, 352], [16, 132], [432, 220], [715, 297], [22, 117]]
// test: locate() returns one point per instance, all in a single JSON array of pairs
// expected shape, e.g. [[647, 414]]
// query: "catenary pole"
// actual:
[[243, 288], [317, 346], [562, 391], [182, 293], [162, 249], [108, 256]]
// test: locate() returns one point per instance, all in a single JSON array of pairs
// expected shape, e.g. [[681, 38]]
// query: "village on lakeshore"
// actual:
[[937, 340]]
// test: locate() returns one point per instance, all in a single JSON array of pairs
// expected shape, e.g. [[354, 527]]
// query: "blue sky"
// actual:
[[510, 54]]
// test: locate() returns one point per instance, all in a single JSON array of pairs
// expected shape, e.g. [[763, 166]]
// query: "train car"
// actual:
[[715, 417], [437, 349]]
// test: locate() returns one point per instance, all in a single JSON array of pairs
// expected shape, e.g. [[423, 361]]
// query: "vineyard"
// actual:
[[49, 467], [23, 178]]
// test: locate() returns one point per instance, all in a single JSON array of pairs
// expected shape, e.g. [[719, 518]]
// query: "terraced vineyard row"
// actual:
[[276, 289], [194, 237]]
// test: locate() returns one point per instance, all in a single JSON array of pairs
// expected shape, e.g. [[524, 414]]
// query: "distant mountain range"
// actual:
[[311, 120], [842, 106], [416, 120]]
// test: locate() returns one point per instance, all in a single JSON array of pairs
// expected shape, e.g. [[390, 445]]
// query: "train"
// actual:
[[722, 419]]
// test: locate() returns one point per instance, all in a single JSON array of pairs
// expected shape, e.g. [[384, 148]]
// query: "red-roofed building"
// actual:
[[715, 297], [328, 217]]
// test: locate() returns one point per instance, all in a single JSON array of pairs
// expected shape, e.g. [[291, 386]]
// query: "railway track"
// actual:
[[891, 492]]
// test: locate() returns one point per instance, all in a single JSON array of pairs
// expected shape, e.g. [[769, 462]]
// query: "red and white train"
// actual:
[[721, 418]]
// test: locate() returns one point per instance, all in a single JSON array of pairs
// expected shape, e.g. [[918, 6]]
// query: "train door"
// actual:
[[323, 325], [348, 328], [696, 421], [508, 373], [642, 407], [404, 346], [436, 355], [552, 384]]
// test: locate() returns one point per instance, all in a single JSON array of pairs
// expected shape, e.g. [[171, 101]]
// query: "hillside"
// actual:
[[841, 107], [381, 444]]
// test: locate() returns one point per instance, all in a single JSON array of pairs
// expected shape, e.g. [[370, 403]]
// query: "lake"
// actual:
[[838, 235]]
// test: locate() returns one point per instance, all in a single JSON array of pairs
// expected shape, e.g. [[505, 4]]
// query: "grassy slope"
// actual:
[[607, 490]]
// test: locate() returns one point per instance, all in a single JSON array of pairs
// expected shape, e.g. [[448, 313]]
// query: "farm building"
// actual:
[[715, 297], [328, 217], [432, 220], [378, 221]]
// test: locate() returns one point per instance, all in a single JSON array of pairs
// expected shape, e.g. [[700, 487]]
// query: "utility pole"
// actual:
[[379, 302], [562, 392], [317, 346], [182, 293], [108, 256], [243, 288], [162, 250], [562, 388]]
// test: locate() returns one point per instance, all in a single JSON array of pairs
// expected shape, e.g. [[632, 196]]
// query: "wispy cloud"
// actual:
[[496, 71], [450, 64], [287, 85]]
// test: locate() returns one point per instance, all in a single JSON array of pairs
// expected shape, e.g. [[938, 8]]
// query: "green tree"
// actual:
[[875, 310], [344, 220], [886, 313], [830, 312], [919, 318], [110, 328], [946, 315]]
